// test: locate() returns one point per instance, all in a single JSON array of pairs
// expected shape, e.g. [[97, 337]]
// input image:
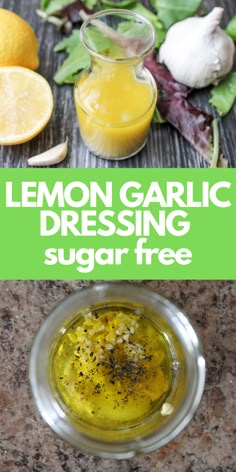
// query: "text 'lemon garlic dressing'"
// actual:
[[112, 367]]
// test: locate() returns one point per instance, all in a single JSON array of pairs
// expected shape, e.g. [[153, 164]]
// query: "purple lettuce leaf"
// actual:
[[192, 123]]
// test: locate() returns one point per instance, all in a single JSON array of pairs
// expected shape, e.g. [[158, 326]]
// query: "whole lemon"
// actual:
[[18, 43]]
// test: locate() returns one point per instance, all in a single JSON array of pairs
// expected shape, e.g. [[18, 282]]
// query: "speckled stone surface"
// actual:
[[208, 444]]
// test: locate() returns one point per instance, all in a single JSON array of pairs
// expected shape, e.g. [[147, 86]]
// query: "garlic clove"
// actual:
[[167, 409], [52, 156]]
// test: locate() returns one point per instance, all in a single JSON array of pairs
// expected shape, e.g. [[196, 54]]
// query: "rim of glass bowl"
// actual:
[[50, 409], [113, 11]]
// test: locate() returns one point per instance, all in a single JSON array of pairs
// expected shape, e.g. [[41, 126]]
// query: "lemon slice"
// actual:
[[26, 104]]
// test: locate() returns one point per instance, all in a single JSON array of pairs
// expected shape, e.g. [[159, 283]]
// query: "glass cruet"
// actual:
[[116, 96]]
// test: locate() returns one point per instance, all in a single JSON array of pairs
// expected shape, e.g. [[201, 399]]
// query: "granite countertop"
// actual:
[[208, 442]]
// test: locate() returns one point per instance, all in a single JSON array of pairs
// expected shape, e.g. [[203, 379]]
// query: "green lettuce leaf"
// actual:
[[52, 6], [223, 95], [78, 57], [153, 18], [157, 118], [98, 42], [77, 60], [118, 4], [171, 11], [44, 4], [90, 4], [71, 79], [231, 28], [68, 44], [140, 9]]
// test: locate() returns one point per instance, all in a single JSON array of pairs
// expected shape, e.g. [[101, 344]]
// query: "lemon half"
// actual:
[[26, 104]]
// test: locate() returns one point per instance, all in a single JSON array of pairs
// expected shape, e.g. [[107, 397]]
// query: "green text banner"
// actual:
[[117, 224]]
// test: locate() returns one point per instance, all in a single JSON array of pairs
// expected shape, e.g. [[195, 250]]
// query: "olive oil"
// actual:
[[112, 367]]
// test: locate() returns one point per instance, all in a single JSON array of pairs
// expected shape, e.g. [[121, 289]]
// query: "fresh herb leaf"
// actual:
[[223, 95], [68, 44], [77, 60], [171, 11], [231, 28], [54, 6]]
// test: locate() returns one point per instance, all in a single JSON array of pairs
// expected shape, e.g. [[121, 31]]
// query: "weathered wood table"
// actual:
[[165, 147]]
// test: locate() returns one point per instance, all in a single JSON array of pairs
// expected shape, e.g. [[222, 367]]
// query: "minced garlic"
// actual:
[[112, 367]]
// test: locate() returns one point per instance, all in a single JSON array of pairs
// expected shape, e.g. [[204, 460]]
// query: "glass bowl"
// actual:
[[182, 365]]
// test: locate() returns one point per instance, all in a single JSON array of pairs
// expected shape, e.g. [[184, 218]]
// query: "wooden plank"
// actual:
[[165, 147]]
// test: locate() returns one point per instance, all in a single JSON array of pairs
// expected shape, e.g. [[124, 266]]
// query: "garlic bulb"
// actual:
[[197, 51]]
